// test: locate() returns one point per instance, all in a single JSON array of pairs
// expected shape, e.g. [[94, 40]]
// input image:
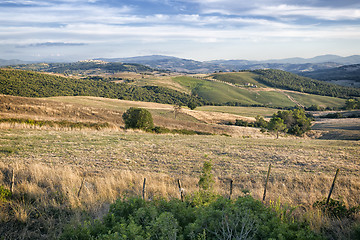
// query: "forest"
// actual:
[[32, 84], [290, 81]]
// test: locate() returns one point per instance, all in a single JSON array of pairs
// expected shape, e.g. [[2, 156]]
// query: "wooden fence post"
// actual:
[[181, 190], [231, 188], [12, 182], [144, 189], [332, 186], [267, 180], [81, 186]]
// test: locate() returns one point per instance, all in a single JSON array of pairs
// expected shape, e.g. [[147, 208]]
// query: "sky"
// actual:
[[72, 30]]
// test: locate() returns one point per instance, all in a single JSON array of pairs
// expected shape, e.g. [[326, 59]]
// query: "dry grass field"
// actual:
[[52, 163], [302, 168]]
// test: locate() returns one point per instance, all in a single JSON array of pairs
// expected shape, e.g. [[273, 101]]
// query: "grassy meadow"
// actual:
[[296, 163], [66, 175]]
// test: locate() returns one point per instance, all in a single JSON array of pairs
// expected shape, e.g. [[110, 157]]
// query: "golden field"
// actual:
[[51, 163]]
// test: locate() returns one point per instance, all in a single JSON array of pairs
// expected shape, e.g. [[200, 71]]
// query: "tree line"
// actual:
[[32, 84], [290, 81]]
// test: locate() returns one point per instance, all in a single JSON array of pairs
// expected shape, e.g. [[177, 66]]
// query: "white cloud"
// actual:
[[325, 13], [215, 22]]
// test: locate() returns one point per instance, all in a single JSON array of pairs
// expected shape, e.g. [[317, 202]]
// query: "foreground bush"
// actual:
[[138, 118], [243, 218]]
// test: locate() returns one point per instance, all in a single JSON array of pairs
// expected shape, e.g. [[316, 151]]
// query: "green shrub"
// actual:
[[5, 194], [333, 115], [138, 118], [243, 218], [336, 208], [161, 130], [206, 180]]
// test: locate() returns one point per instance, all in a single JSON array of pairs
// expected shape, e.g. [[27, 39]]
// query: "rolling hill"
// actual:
[[33, 84], [348, 75], [89, 67], [271, 88], [238, 89]]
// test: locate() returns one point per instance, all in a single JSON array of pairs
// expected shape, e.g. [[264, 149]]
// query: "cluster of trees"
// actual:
[[32, 84], [295, 122], [352, 104], [290, 81]]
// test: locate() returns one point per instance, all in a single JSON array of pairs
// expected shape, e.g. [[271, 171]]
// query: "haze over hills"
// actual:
[[171, 63], [289, 64]]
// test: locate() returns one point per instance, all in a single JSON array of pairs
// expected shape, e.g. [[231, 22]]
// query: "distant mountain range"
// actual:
[[332, 68], [12, 62], [295, 65]]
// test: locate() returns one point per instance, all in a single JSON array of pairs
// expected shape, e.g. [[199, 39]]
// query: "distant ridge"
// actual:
[[294, 65], [12, 62]]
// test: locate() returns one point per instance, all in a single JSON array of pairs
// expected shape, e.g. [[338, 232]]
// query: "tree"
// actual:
[[352, 104], [192, 105], [277, 125], [260, 122], [138, 118], [177, 110]]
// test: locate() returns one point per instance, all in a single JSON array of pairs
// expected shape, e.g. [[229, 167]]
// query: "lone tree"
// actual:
[[177, 110], [138, 118], [277, 125], [192, 105]]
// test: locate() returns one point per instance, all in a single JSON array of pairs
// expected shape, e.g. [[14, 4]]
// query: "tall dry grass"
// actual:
[[45, 198]]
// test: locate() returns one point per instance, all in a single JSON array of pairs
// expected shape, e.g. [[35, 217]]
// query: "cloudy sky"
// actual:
[[70, 30]]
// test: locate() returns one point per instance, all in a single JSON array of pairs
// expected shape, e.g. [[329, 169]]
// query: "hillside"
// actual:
[[33, 84], [82, 110], [290, 81], [65, 175], [170, 63], [91, 67], [234, 89], [348, 75], [244, 88]]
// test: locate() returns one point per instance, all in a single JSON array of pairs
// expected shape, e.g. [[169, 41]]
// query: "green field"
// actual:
[[221, 93], [240, 78], [311, 99]]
